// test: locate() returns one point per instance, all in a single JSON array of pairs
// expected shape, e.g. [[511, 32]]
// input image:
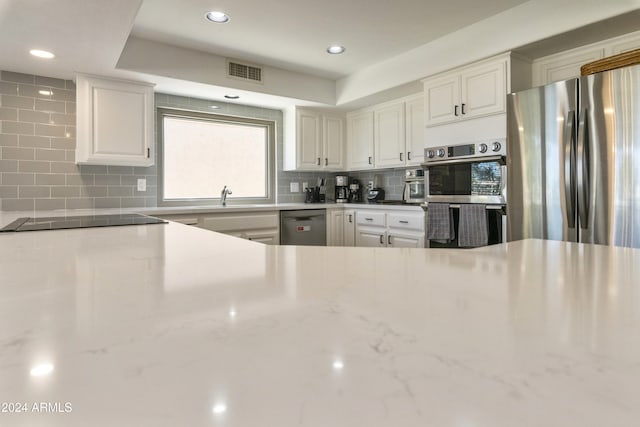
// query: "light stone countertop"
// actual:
[[7, 217], [171, 325]]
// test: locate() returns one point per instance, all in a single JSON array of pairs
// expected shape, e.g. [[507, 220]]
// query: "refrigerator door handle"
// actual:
[[583, 168], [569, 167]]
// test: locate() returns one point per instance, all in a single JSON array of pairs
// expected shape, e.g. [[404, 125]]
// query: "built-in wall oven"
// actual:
[[465, 182]]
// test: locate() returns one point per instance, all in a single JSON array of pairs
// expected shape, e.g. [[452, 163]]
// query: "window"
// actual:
[[201, 153]]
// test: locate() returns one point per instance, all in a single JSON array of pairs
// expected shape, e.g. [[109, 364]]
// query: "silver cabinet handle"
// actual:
[[370, 160], [462, 109], [388, 240], [148, 153], [350, 218], [326, 161], [369, 219], [318, 161], [408, 155], [381, 240], [404, 222], [400, 156], [455, 110]]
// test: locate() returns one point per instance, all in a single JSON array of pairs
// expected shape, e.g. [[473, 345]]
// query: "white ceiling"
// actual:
[[294, 34], [91, 35]]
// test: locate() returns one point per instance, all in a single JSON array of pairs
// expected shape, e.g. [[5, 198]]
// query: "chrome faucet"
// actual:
[[223, 195]]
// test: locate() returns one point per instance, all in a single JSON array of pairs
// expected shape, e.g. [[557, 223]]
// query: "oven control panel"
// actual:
[[494, 147]]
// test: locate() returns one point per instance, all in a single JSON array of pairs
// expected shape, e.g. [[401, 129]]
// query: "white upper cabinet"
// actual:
[[389, 135], [114, 122], [309, 152], [566, 65], [442, 96], [414, 130], [319, 141], [333, 142], [466, 93], [360, 140]]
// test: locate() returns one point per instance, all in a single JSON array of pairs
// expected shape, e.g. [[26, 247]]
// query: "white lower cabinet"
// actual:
[[391, 229], [263, 227], [341, 227], [349, 227], [335, 227]]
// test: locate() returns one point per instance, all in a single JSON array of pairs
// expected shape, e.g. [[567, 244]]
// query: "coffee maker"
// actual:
[[355, 192], [342, 189]]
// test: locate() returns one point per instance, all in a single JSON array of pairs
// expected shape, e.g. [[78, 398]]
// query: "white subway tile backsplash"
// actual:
[[17, 101], [34, 166], [9, 76], [34, 141], [18, 128]]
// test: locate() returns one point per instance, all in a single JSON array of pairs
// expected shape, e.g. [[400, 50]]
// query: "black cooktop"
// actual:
[[87, 221]]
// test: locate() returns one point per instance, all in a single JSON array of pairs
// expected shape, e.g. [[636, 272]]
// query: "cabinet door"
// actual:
[[309, 152], [371, 237], [389, 136], [335, 234], [349, 228], [360, 140], [402, 240], [442, 97], [114, 122], [414, 115], [484, 90], [333, 142]]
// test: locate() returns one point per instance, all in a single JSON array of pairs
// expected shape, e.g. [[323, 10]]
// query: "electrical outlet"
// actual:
[[370, 185], [305, 185], [294, 187], [142, 184]]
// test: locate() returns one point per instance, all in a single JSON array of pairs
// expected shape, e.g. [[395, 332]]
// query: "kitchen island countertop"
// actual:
[[7, 216], [170, 325]]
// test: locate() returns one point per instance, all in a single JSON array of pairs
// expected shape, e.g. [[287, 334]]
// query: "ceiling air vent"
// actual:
[[243, 71]]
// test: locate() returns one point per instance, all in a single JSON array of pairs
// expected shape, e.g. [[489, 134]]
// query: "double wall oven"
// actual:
[[468, 174]]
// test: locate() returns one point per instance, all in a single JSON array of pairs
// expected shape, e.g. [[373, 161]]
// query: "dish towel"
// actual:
[[472, 227], [440, 222]]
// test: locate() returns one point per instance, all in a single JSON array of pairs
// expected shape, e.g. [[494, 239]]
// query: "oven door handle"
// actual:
[[498, 158]]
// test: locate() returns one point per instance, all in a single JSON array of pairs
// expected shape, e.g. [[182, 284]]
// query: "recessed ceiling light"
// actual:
[[45, 92], [231, 96], [218, 17], [336, 49], [41, 53], [41, 370]]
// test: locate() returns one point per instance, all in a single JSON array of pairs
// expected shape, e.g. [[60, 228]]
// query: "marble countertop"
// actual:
[[170, 325]]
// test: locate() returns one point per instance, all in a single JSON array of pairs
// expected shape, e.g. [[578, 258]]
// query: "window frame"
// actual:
[[270, 177]]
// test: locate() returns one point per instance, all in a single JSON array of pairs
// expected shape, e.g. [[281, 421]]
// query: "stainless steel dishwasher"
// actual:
[[303, 227]]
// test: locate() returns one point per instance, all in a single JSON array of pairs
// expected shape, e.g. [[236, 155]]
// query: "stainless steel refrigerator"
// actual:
[[573, 160]]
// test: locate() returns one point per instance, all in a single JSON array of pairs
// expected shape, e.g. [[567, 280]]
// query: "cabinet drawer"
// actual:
[[371, 218], [240, 222], [406, 221]]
